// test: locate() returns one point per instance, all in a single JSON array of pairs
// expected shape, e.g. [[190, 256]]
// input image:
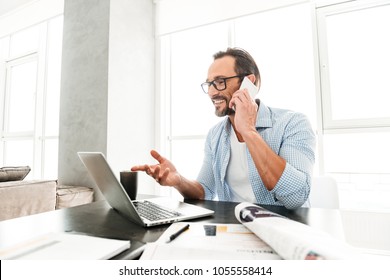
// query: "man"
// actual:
[[256, 153]]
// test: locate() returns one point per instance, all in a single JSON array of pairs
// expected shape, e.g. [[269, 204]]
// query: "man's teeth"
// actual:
[[218, 101]]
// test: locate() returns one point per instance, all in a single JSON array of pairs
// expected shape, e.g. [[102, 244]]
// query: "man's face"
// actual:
[[223, 68]]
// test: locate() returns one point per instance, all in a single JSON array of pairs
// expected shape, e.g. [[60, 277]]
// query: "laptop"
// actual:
[[146, 212]]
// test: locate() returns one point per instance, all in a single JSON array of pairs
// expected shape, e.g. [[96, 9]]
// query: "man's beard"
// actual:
[[226, 111]]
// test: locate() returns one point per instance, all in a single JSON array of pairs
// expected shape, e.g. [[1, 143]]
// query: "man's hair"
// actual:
[[244, 62]]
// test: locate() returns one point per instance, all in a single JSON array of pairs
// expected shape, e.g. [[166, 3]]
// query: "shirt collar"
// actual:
[[264, 119]]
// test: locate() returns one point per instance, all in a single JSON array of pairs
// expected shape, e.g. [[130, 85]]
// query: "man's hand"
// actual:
[[246, 111], [164, 172]]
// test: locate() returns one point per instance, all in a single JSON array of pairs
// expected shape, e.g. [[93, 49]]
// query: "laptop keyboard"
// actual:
[[153, 212]]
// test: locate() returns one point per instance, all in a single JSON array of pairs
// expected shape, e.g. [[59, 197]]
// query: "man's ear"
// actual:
[[252, 78]]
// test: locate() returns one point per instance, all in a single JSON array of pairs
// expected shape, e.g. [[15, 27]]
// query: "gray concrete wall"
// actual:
[[107, 86]]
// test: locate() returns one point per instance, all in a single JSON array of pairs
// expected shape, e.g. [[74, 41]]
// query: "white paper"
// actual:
[[65, 246], [209, 241]]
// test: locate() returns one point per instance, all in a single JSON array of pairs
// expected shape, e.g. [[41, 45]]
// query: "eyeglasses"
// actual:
[[219, 83]]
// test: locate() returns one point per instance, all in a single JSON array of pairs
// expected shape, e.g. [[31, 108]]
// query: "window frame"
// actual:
[[7, 94], [38, 134], [329, 124]]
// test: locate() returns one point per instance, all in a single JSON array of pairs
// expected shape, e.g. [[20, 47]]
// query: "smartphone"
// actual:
[[252, 89]]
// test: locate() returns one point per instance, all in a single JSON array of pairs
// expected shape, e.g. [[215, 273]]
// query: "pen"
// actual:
[[176, 234]]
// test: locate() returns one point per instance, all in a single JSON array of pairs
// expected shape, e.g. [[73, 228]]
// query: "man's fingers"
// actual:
[[139, 168], [164, 176], [156, 173], [156, 155], [154, 170]]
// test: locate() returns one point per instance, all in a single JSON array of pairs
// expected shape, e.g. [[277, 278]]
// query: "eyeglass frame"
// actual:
[[224, 81]]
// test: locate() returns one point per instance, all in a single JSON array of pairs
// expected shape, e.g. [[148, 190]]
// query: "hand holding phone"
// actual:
[[252, 89]]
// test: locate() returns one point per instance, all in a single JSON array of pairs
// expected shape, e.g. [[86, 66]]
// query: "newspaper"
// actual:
[[290, 239], [208, 241]]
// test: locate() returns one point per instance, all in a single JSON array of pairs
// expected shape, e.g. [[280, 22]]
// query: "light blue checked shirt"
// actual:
[[289, 134]]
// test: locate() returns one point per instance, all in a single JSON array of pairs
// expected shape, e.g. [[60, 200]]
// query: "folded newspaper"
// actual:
[[291, 239]]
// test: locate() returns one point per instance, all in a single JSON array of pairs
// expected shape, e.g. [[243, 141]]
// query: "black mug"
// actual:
[[129, 182]]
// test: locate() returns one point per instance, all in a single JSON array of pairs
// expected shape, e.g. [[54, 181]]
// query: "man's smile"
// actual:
[[218, 100]]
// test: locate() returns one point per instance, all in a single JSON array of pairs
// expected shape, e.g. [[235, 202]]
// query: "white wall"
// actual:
[[175, 15], [131, 84], [16, 15]]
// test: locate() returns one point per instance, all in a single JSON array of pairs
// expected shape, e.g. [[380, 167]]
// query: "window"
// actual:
[[354, 57], [30, 62], [187, 113], [281, 44], [20, 93], [353, 61], [285, 61], [338, 78]]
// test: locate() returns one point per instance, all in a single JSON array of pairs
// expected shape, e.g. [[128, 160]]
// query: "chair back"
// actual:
[[324, 193]]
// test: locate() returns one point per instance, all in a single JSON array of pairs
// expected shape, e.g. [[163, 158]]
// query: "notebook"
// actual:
[[65, 246], [172, 210]]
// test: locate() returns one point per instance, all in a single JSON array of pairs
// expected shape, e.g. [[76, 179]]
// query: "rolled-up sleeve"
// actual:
[[293, 188], [206, 174], [298, 149]]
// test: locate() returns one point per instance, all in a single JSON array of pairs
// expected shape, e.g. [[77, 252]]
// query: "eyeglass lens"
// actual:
[[219, 83]]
